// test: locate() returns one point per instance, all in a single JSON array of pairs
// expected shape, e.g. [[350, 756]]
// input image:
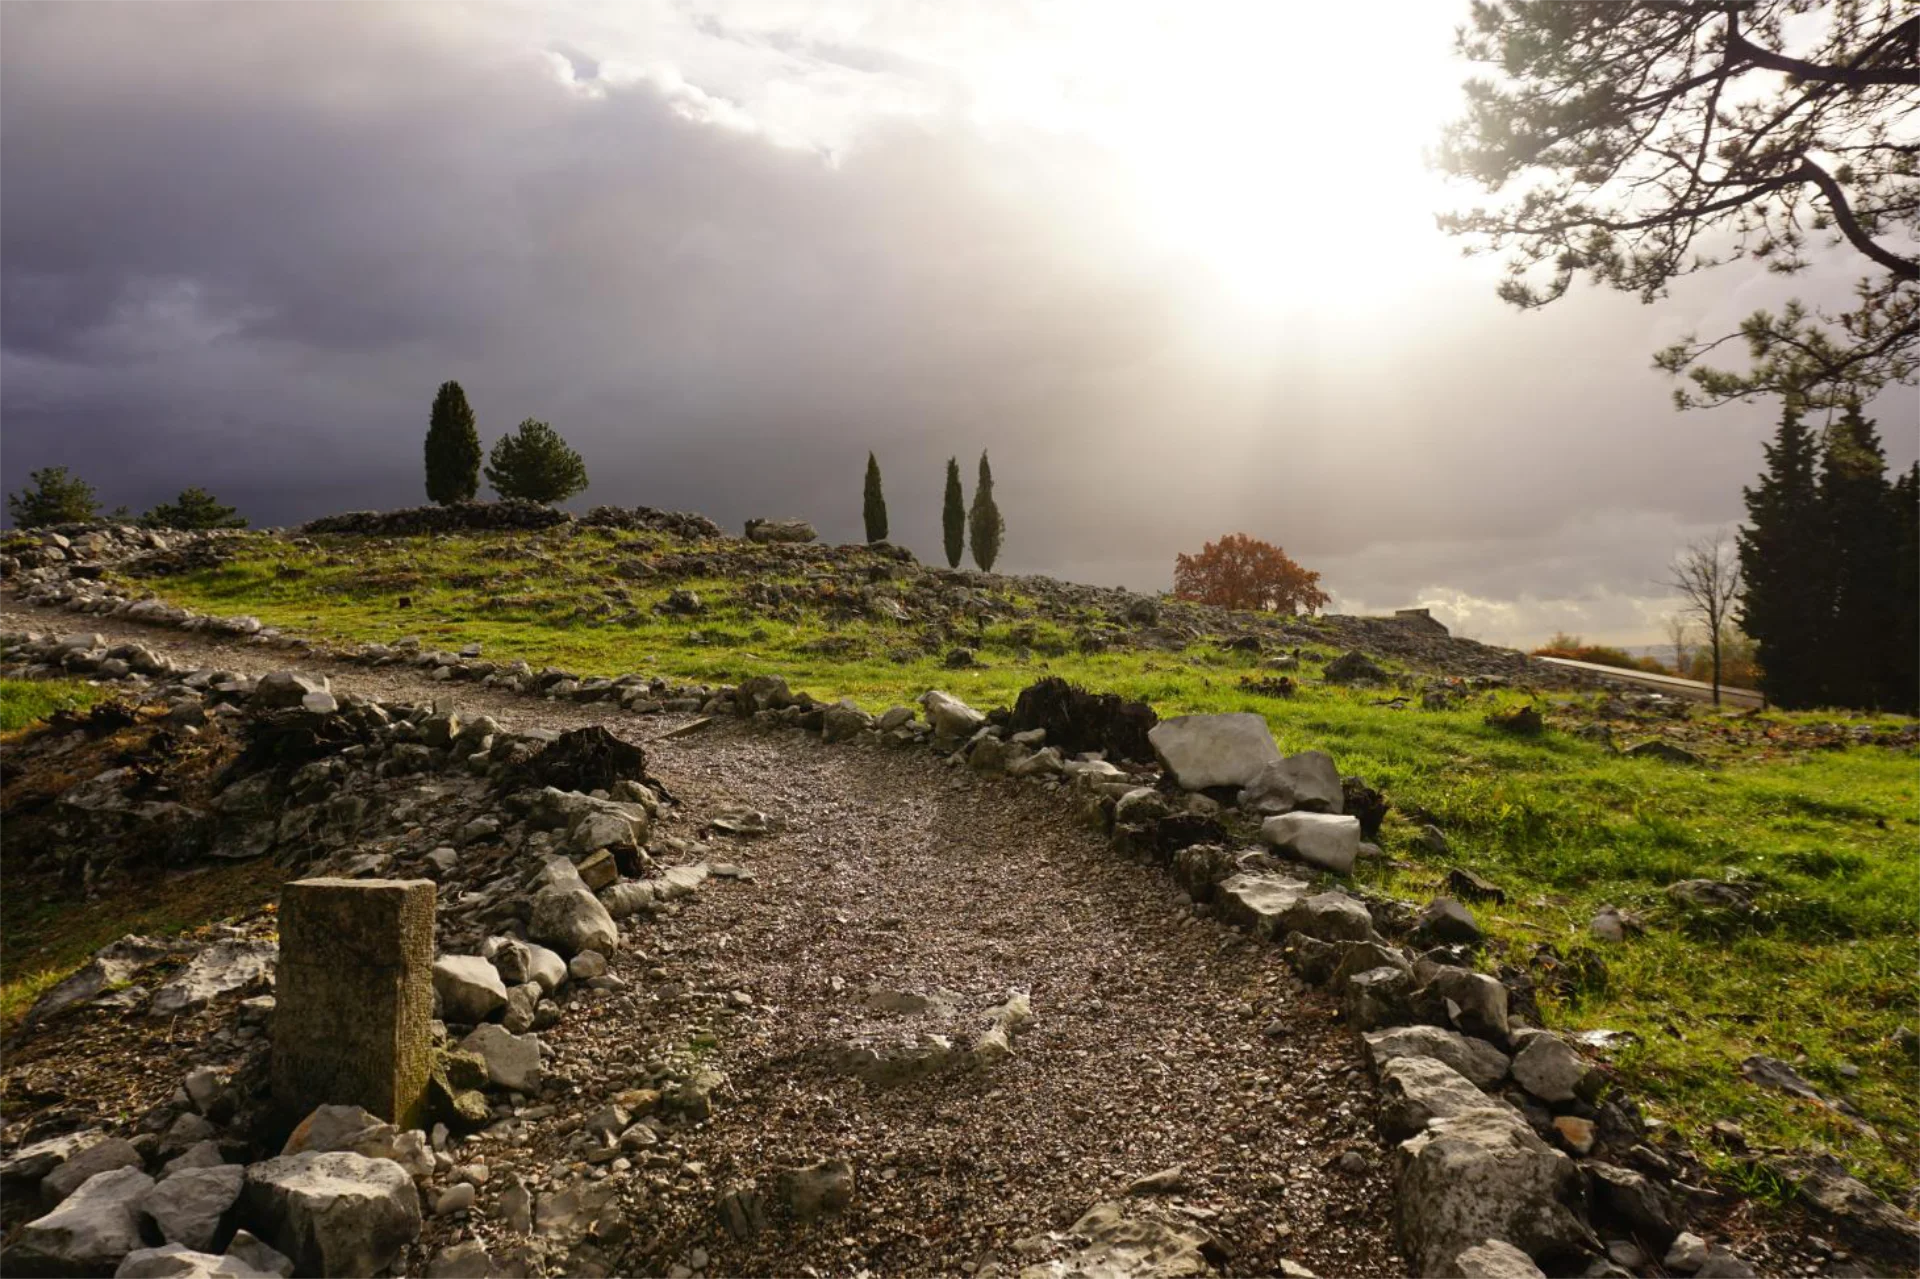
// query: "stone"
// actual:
[[1307, 782], [513, 1061], [28, 1165], [1629, 1199], [1327, 840], [521, 962], [465, 1260], [1472, 1003], [354, 996], [587, 965], [1354, 667], [1687, 1253], [334, 1212], [950, 717], [1484, 1175], [1549, 1068], [469, 987], [1332, 917], [572, 920], [1725, 1265], [1446, 921], [599, 870], [1257, 902], [221, 968], [92, 1229], [85, 1164], [177, 1261], [1200, 751], [1866, 1221], [112, 965], [1376, 997], [844, 721], [1712, 894], [195, 1207], [259, 1255], [202, 1154], [1416, 1090], [1493, 1259], [627, 898], [1465, 883], [455, 1199], [1575, 1133], [1119, 1246], [278, 690], [759, 530], [817, 1189], [1166, 1181], [1482, 1063]]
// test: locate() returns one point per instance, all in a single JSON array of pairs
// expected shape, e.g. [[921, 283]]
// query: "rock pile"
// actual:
[[456, 517]]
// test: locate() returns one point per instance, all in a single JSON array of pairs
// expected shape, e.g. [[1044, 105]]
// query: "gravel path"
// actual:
[[1158, 1040]]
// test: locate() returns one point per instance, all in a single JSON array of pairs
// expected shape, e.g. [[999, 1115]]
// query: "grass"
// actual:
[[26, 702], [1821, 975]]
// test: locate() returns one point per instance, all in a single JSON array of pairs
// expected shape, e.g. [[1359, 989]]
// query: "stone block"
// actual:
[[354, 997]]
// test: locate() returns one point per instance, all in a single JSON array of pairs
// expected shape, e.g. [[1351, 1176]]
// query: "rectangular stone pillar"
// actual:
[[353, 997]]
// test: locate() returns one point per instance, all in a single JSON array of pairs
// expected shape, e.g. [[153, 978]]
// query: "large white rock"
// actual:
[[1416, 1090], [1214, 750], [334, 1213], [222, 967], [1326, 840], [469, 987], [1482, 1063], [1493, 1259], [191, 1207], [950, 716], [1484, 1175], [90, 1161], [1308, 782], [1257, 902], [513, 1061], [29, 1164], [88, 1234], [177, 1261], [1329, 917], [572, 920]]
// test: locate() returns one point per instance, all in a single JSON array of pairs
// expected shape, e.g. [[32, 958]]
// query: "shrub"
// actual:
[[1243, 572], [54, 496], [536, 464], [194, 508]]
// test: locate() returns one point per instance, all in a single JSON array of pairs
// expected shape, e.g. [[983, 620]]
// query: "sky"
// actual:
[[1171, 266]]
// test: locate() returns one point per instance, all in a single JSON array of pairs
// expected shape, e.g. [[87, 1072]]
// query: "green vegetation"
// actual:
[[873, 504], [453, 447], [985, 527], [53, 496], [195, 508], [22, 702], [1821, 975], [535, 465], [953, 516]]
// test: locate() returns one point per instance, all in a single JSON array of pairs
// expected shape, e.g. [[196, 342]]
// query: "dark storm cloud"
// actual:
[[240, 246]]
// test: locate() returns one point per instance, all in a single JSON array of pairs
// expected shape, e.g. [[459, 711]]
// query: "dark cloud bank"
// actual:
[[242, 245]]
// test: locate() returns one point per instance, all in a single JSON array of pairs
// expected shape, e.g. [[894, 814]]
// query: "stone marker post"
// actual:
[[353, 997]]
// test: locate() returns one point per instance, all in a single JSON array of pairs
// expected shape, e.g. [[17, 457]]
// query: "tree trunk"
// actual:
[[1716, 668]]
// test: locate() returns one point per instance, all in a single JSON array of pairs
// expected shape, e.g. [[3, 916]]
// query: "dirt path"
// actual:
[[1158, 1040]]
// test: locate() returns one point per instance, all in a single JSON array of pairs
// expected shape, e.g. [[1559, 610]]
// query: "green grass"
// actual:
[[24, 702], [1822, 975]]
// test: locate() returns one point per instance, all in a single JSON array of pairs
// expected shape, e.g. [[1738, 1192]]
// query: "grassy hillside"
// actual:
[[1824, 826]]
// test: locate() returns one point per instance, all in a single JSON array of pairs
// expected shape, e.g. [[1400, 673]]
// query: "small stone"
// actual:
[[587, 965], [1688, 1253], [455, 1198], [1575, 1133]]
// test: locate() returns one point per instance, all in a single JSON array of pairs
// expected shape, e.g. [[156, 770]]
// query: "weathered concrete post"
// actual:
[[353, 997]]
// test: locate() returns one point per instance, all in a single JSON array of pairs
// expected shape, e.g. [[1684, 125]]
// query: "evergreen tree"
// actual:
[[1783, 559], [874, 506], [1859, 515], [194, 508], [534, 463], [54, 496], [453, 448], [953, 516], [984, 525]]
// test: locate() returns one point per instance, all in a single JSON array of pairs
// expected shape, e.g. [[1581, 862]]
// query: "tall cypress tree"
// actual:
[[1784, 563], [453, 448], [984, 525], [953, 516], [874, 506], [1859, 512]]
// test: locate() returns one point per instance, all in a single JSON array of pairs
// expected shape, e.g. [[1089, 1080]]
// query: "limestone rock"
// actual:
[[950, 716], [1549, 1068], [1258, 902], [1473, 1003], [86, 1163], [1125, 1247], [1482, 1063], [817, 1189], [334, 1213], [194, 1208], [1492, 1259], [1329, 917], [1214, 750], [469, 987], [572, 920], [513, 1061], [1416, 1090], [177, 1261], [88, 1234], [1327, 840], [1483, 1175], [1446, 921], [1308, 782], [222, 967]]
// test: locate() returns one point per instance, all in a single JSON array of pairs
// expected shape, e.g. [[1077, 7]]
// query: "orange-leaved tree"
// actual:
[[1243, 572]]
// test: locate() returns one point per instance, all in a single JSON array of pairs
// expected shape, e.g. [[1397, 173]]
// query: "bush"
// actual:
[[53, 497], [536, 464], [1243, 572], [195, 508], [1571, 648]]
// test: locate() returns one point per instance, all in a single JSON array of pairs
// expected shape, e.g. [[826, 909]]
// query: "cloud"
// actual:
[[241, 246]]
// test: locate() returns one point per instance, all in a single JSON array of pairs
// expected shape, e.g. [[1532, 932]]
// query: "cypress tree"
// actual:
[[453, 448], [1784, 563], [874, 505], [984, 523], [1859, 513], [953, 516]]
